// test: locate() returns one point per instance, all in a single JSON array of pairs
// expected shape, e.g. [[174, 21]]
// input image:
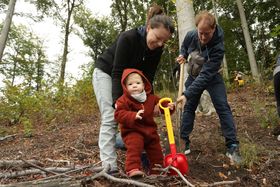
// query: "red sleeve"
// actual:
[[123, 114]]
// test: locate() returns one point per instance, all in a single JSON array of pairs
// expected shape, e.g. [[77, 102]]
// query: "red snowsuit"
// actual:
[[138, 135]]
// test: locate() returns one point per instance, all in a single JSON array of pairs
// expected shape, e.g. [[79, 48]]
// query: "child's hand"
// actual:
[[139, 113], [171, 106]]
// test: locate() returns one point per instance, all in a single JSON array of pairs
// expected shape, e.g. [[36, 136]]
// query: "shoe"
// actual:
[[135, 173], [233, 154], [187, 149]]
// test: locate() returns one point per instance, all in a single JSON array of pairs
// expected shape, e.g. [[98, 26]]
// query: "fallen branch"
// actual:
[[166, 170], [17, 163], [33, 171], [43, 169], [104, 173], [72, 171], [223, 183], [7, 137], [59, 161], [51, 183]]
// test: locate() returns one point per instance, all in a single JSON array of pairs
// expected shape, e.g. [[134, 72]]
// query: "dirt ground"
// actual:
[[77, 143]]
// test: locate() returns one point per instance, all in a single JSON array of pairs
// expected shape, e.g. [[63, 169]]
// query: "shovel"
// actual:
[[177, 160]]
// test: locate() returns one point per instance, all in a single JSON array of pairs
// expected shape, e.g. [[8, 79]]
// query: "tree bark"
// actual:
[[248, 42], [70, 7], [6, 27]]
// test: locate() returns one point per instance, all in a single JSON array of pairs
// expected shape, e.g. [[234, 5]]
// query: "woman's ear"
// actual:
[[148, 28]]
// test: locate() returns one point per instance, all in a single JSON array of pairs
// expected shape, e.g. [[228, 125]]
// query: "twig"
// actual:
[[17, 163], [43, 169], [223, 183], [59, 161], [182, 176], [72, 171], [79, 151], [7, 137], [104, 173], [166, 170], [32, 171]]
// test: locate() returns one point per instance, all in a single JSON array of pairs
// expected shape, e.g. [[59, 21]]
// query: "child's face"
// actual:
[[134, 83]]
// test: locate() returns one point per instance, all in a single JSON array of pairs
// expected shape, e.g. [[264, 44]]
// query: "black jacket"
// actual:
[[129, 51], [213, 53]]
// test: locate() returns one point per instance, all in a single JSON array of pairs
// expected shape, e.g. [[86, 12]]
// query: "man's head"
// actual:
[[206, 24], [134, 83]]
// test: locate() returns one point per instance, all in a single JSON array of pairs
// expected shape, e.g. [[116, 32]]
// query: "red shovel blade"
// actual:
[[178, 161]]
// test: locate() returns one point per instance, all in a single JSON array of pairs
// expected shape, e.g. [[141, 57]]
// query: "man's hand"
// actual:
[[139, 113], [180, 59], [181, 101]]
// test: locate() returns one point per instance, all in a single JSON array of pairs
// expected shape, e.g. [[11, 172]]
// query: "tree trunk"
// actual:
[[6, 27], [70, 7], [225, 66], [248, 42]]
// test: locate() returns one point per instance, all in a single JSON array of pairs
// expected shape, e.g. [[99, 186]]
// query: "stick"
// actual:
[[43, 169], [7, 137], [104, 173], [17, 163], [32, 171]]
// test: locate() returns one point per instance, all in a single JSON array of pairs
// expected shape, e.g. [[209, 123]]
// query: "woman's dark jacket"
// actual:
[[130, 50]]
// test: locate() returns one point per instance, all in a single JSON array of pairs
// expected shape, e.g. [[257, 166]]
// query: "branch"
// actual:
[[72, 171], [32, 171], [223, 183], [43, 169], [17, 163], [7, 137], [104, 173]]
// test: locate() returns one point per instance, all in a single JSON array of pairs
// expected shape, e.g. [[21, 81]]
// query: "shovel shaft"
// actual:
[[168, 125]]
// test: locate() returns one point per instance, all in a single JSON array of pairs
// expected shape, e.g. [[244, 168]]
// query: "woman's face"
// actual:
[[205, 32], [157, 37]]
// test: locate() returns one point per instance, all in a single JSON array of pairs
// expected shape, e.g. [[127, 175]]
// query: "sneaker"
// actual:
[[134, 173], [233, 154], [187, 149]]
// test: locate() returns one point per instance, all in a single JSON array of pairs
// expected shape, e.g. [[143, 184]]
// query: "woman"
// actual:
[[140, 48], [205, 46]]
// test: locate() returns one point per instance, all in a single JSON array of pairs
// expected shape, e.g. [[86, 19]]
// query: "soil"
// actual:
[[77, 142]]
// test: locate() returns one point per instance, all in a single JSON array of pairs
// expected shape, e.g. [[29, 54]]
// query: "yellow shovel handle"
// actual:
[[167, 119]]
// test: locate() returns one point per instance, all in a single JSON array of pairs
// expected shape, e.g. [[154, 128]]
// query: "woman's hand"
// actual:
[[139, 113], [181, 101], [180, 59]]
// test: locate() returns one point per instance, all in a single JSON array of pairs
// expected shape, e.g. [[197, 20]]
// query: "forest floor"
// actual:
[[77, 142]]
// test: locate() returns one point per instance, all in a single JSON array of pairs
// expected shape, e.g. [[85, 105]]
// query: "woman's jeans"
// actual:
[[102, 84], [217, 91]]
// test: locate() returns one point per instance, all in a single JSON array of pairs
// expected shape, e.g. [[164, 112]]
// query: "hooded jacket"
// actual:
[[213, 54], [130, 50], [127, 107]]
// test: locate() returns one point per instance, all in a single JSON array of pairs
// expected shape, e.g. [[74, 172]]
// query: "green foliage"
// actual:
[[98, 33], [20, 104], [27, 127], [250, 153], [24, 58], [266, 113]]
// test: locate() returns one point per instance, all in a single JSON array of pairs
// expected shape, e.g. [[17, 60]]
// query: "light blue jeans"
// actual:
[[102, 85]]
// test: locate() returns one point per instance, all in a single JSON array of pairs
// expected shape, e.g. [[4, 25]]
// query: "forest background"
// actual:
[[35, 89]]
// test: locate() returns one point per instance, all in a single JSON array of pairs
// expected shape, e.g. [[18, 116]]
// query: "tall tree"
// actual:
[[24, 59], [248, 41], [6, 27]]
